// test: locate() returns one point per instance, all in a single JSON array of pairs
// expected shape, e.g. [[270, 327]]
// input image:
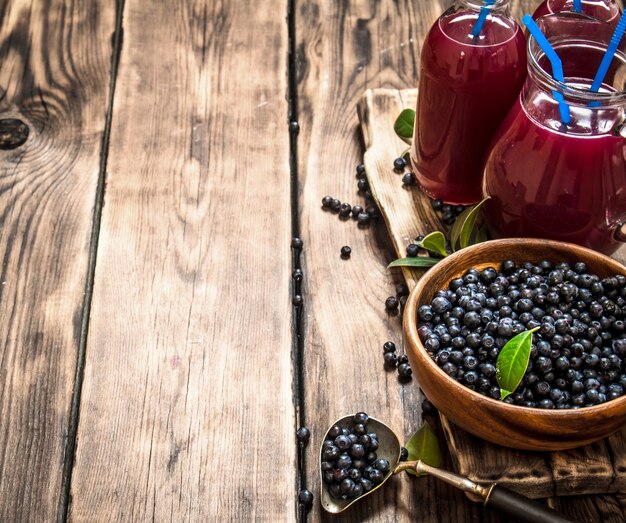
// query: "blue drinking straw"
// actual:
[[608, 55], [555, 61], [578, 6], [482, 16]]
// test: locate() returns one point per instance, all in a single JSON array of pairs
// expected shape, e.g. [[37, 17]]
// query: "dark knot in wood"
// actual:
[[13, 133]]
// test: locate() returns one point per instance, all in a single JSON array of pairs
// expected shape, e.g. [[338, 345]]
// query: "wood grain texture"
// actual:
[[187, 411], [55, 67], [345, 48]]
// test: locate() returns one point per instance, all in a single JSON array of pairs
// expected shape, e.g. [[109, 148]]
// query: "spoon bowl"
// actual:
[[389, 448]]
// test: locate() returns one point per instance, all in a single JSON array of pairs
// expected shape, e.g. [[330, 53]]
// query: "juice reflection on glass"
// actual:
[[564, 182], [466, 87], [605, 10]]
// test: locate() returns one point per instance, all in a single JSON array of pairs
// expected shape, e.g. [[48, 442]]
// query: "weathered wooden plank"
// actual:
[[187, 411], [55, 67], [343, 49]]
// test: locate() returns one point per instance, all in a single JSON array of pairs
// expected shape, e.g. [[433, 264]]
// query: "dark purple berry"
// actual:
[[303, 434]]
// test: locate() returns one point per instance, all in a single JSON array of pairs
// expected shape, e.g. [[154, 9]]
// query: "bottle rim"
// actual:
[[478, 4]]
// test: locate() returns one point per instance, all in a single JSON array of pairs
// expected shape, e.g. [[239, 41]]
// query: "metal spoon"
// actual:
[[499, 498]]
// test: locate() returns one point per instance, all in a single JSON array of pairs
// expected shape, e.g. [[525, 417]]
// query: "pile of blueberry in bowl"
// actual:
[[467, 307]]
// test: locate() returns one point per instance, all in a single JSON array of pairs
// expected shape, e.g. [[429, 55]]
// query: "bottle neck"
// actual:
[[590, 113]]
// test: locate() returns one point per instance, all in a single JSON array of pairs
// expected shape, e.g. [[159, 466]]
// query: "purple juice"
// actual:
[[467, 85], [547, 183]]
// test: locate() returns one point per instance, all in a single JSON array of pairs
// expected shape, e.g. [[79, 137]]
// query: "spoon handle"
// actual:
[[522, 508]]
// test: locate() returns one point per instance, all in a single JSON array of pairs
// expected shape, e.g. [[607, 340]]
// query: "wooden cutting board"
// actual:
[[599, 468]]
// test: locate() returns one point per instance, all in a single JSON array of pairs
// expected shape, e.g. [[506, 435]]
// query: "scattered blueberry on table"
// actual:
[[305, 497], [303, 435], [391, 304], [393, 361], [409, 178], [346, 251], [577, 355], [399, 164], [363, 214]]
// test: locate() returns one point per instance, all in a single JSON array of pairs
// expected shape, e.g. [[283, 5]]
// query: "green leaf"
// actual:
[[467, 227], [420, 261], [513, 361], [424, 446], [455, 231], [403, 125], [481, 235], [406, 154], [434, 242]]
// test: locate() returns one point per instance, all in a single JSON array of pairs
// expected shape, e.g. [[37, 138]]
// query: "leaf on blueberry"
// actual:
[[434, 242], [512, 362]]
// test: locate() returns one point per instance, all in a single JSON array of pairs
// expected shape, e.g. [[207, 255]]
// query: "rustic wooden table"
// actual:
[[152, 365]]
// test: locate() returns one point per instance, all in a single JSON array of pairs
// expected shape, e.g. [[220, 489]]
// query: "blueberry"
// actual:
[[305, 497], [412, 250], [331, 453], [390, 359], [472, 320], [488, 369], [399, 164], [391, 303], [402, 289], [342, 442], [357, 451], [363, 218], [470, 378], [433, 342], [354, 474], [409, 179], [425, 312], [546, 404], [303, 434], [376, 476], [404, 370], [360, 429], [382, 465], [361, 417], [347, 485], [441, 305], [344, 461]]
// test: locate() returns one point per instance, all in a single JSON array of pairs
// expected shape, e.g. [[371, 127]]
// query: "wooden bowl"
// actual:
[[493, 420]]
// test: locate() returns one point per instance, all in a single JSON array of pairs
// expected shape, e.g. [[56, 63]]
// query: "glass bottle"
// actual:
[[563, 181], [467, 85]]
